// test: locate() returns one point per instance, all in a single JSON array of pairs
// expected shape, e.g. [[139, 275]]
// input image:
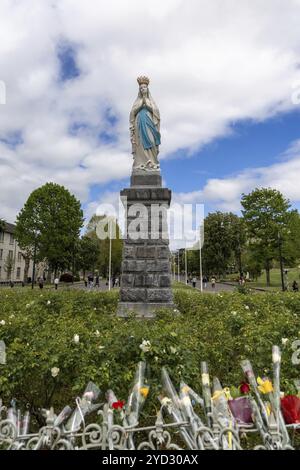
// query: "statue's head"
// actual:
[[143, 84]]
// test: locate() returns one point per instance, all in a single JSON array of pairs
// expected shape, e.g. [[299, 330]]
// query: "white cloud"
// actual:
[[211, 63], [225, 193]]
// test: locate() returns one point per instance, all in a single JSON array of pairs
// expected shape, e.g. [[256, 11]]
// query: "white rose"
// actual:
[[173, 350], [284, 341], [166, 401], [97, 333], [49, 302], [145, 346], [55, 371], [2, 322], [247, 307], [76, 339]]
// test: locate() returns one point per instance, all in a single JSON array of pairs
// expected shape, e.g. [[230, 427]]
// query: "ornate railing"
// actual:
[[185, 420]]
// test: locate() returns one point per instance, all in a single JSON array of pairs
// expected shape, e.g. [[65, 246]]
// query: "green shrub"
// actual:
[[222, 329]]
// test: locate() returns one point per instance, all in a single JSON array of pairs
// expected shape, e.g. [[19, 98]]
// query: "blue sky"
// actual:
[[228, 93]]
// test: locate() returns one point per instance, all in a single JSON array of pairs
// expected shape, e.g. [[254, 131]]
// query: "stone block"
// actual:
[[152, 179], [139, 280], [133, 295], [152, 280], [129, 252], [127, 280], [163, 252], [146, 252], [158, 265], [165, 280], [133, 266], [159, 295]]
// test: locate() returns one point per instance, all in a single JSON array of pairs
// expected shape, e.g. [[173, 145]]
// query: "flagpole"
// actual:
[[185, 255], [109, 262], [200, 260]]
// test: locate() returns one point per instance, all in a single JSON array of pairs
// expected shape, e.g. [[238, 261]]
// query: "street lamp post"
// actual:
[[178, 267]]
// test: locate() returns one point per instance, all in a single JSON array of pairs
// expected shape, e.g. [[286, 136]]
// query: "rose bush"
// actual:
[[58, 341]]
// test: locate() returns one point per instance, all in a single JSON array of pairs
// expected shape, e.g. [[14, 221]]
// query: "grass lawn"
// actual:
[[293, 274]]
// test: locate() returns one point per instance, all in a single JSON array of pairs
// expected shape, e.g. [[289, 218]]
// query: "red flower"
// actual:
[[118, 404], [290, 406], [244, 388]]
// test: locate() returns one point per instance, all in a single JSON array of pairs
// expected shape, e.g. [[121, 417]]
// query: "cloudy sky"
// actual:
[[225, 75]]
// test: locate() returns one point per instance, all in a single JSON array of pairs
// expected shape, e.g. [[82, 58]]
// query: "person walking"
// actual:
[[204, 280], [56, 282], [41, 283], [295, 286], [213, 282], [194, 280], [97, 282]]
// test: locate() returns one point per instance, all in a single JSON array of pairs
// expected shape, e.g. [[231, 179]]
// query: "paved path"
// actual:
[[209, 289]]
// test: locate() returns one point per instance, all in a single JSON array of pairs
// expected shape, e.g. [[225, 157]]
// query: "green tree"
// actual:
[[9, 266], [102, 260], [224, 239], [49, 224], [86, 253], [267, 216]]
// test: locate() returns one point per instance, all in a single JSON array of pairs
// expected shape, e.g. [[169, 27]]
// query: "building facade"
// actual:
[[12, 262]]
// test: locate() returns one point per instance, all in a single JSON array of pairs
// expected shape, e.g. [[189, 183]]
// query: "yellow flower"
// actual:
[[185, 389], [264, 386], [144, 391]]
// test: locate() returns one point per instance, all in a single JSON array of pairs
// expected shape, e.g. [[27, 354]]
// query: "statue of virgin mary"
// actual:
[[145, 129]]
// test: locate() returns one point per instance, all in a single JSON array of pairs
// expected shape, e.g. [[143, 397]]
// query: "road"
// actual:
[[209, 289]]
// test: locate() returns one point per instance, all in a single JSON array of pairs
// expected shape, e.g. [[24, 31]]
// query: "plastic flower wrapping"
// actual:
[[137, 395], [84, 406], [290, 406]]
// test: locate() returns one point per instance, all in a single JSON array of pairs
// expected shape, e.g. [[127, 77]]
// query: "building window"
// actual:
[[19, 256], [18, 273], [1, 236], [11, 239], [1, 254], [10, 254]]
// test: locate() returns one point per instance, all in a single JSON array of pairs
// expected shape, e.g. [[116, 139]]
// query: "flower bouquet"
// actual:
[[290, 407], [84, 407], [240, 405], [178, 409], [137, 396]]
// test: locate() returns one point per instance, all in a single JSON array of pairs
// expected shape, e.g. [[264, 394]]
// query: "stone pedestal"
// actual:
[[146, 265]]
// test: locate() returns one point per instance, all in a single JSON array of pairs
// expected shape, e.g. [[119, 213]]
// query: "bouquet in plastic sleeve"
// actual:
[[240, 405], [248, 371], [241, 410], [175, 405], [115, 404], [84, 407], [63, 416], [206, 391], [137, 396], [180, 409], [2, 352], [290, 406]]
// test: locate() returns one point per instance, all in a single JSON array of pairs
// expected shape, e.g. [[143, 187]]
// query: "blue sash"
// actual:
[[144, 123]]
